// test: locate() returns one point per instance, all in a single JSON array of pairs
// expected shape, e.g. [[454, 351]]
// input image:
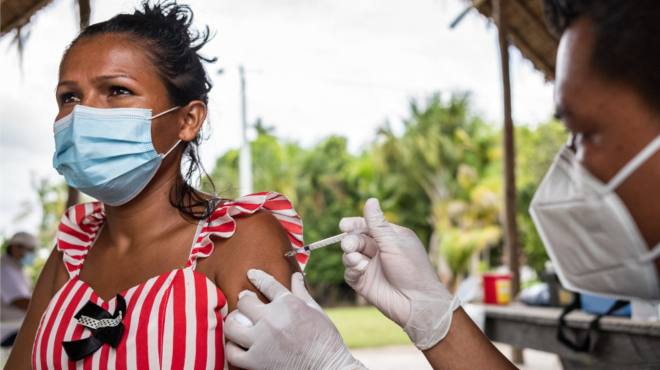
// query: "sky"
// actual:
[[313, 68]]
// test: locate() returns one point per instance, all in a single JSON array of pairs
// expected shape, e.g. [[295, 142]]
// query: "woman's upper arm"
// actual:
[[259, 242], [51, 278]]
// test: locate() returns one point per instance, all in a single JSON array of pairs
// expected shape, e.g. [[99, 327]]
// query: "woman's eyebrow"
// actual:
[[111, 76], [66, 83], [96, 79]]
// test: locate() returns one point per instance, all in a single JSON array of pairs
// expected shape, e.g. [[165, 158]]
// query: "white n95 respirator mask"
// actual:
[[593, 241]]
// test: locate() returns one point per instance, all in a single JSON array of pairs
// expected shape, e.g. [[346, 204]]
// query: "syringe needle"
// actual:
[[316, 245]]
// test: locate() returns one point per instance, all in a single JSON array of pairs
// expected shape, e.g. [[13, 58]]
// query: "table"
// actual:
[[621, 344]]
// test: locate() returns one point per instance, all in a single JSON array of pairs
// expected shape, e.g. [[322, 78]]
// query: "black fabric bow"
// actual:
[[106, 328]]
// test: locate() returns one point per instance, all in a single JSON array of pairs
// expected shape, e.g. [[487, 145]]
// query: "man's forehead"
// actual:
[[575, 76], [574, 52]]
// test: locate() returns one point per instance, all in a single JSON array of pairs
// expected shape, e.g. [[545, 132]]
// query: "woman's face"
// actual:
[[112, 71]]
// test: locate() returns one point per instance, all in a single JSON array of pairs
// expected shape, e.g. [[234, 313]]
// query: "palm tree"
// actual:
[[445, 152]]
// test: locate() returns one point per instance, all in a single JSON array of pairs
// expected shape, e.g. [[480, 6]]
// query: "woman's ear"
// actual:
[[194, 114]]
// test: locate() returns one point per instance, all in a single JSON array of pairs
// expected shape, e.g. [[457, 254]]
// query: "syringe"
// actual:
[[316, 245]]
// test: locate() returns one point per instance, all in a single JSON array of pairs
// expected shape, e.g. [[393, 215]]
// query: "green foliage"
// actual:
[[51, 197], [440, 175], [320, 181], [325, 195], [274, 166], [535, 150], [446, 153], [458, 246]]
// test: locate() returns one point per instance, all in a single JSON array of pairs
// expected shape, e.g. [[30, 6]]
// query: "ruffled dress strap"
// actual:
[[222, 223], [78, 229]]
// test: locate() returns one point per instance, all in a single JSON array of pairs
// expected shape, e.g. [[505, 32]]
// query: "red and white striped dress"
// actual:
[[173, 320]]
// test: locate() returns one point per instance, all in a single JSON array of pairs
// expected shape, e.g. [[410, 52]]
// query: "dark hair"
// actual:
[[627, 39], [164, 29]]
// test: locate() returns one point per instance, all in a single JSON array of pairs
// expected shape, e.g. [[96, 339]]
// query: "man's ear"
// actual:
[[192, 119]]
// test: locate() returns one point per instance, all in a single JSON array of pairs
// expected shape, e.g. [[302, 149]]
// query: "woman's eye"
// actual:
[[118, 90], [67, 98]]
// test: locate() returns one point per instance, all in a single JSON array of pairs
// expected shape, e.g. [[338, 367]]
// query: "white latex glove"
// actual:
[[290, 332], [388, 266]]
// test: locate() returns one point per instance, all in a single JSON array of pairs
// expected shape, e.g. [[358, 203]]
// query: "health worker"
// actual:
[[597, 211]]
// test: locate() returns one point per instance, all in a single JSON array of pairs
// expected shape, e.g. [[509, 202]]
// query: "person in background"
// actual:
[[16, 289]]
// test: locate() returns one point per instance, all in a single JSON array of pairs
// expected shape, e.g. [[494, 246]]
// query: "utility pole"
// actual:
[[245, 157]]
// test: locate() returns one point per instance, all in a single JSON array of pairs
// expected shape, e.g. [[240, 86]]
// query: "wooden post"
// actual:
[[84, 12], [510, 224]]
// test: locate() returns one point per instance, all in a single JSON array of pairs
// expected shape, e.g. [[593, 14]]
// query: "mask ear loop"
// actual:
[[165, 112], [162, 156], [651, 255], [634, 163]]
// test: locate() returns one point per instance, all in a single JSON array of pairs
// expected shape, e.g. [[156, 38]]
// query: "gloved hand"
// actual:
[[290, 332], [388, 266]]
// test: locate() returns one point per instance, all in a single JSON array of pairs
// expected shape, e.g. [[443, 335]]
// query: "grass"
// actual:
[[366, 327]]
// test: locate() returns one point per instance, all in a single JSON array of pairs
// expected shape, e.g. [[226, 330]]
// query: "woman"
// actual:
[[142, 278]]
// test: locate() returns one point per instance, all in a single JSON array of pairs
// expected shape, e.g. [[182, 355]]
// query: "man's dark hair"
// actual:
[[627, 39]]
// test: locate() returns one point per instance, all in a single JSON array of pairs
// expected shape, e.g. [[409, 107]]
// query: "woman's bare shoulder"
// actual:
[[259, 241], [53, 275]]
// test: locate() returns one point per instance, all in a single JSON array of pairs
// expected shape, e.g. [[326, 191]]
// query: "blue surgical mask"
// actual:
[[27, 259], [107, 153]]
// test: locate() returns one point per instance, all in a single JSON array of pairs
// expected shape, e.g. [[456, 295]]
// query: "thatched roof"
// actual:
[[527, 30], [16, 13]]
